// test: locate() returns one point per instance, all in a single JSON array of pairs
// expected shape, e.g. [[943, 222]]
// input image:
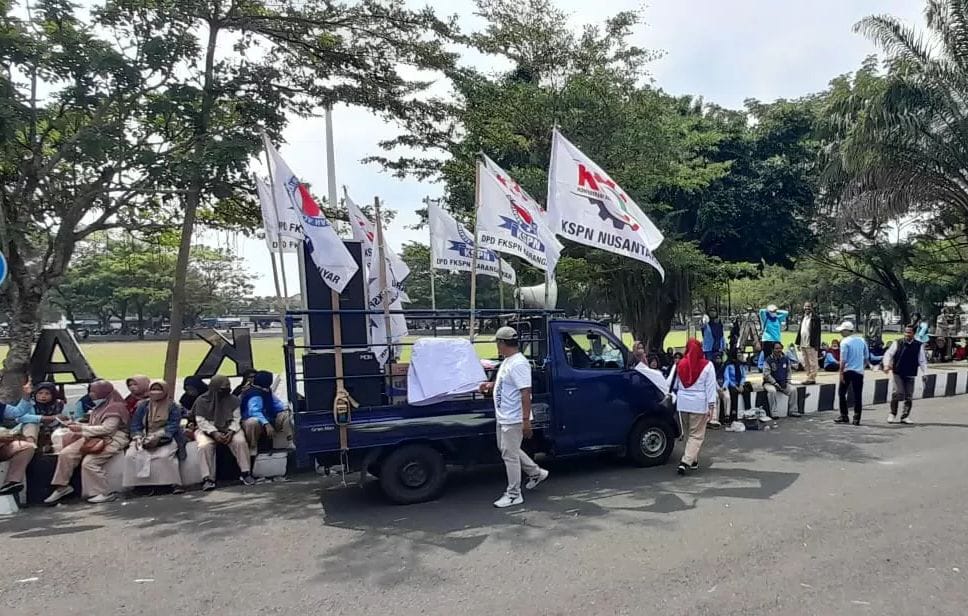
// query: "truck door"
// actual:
[[591, 403]]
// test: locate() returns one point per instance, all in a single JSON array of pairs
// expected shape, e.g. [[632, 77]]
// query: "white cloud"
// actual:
[[725, 51]]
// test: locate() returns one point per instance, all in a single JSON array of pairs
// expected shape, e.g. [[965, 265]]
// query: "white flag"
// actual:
[[364, 231], [288, 220], [333, 260], [451, 247], [510, 221], [270, 221], [585, 205]]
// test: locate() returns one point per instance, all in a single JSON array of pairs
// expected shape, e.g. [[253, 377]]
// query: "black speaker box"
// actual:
[[319, 297], [364, 378]]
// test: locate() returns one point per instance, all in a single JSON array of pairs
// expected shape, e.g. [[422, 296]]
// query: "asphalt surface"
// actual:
[[809, 518]]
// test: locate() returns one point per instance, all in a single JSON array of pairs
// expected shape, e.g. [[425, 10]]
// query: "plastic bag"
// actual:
[[57, 439], [142, 463]]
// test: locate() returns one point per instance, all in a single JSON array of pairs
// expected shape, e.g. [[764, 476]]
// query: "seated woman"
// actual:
[[80, 409], [219, 421], [38, 413], [138, 391], [154, 429], [92, 445], [263, 412], [831, 359], [194, 387], [734, 379]]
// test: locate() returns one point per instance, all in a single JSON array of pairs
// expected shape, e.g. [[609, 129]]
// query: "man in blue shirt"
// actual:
[[263, 413], [772, 321], [713, 336], [854, 359]]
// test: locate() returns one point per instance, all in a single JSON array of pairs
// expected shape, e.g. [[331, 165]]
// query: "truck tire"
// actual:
[[651, 442], [412, 474]]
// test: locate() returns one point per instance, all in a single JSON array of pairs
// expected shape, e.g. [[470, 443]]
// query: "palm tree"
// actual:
[[902, 145]]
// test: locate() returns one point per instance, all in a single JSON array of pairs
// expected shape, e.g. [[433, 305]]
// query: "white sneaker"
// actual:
[[58, 494], [507, 501], [535, 480], [97, 499], [907, 420], [892, 418]]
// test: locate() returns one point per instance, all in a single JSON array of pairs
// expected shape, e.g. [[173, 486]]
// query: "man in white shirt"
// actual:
[[512, 410]]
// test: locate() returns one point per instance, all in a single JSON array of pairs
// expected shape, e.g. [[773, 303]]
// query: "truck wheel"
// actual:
[[650, 443], [412, 474]]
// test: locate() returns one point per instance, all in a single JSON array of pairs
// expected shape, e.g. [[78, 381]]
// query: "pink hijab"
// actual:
[[112, 404]]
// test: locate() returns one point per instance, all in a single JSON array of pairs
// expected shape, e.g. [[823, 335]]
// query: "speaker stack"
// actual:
[[364, 377]]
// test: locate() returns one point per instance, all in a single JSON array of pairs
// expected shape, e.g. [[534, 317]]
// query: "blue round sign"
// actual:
[[3, 268]]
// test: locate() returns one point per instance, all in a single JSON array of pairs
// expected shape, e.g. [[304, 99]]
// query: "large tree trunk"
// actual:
[[141, 322], [192, 200], [178, 290], [25, 293]]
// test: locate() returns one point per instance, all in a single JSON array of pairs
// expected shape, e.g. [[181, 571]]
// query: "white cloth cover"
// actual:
[[441, 368]]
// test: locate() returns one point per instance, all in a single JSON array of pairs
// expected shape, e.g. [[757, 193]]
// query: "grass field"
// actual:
[[118, 360]]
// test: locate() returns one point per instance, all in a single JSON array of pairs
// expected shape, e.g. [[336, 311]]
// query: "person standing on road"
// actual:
[[694, 380], [905, 358], [854, 359], [776, 379], [713, 336], [772, 321], [511, 390], [808, 339]]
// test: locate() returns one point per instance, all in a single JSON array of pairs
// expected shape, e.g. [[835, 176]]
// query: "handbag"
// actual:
[[93, 446]]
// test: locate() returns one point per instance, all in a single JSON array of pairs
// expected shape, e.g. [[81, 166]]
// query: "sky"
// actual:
[[723, 50]]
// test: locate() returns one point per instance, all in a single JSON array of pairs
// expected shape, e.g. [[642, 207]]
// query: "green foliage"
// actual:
[[124, 277]]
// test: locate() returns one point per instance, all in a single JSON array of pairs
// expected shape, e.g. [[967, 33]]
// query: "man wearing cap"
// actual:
[[854, 359], [772, 321], [512, 411]]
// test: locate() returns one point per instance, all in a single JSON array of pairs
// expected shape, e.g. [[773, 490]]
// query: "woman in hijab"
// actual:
[[83, 406], [100, 439], [694, 381], [138, 388], [219, 422], [154, 429], [263, 412], [40, 411], [36, 415], [194, 387]]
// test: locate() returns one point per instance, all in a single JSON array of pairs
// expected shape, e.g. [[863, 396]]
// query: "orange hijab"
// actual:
[[692, 363]]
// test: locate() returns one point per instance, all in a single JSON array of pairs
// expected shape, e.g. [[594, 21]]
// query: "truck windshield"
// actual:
[[588, 350]]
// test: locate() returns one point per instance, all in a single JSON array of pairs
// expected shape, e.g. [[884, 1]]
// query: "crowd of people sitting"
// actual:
[[148, 425]]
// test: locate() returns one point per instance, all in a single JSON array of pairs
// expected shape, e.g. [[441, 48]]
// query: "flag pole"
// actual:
[[477, 200], [381, 247], [275, 273], [433, 293], [500, 281], [333, 197]]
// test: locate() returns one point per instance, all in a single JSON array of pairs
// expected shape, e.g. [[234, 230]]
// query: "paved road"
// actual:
[[811, 518]]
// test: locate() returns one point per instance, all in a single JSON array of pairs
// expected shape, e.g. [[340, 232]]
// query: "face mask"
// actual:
[[98, 401], [156, 395]]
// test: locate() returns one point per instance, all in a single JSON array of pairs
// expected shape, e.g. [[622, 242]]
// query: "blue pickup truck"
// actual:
[[585, 400]]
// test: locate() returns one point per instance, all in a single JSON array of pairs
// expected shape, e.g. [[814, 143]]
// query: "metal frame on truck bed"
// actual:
[[585, 399]]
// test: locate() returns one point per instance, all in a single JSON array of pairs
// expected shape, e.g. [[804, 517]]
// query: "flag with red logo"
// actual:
[[509, 220], [452, 248], [332, 259], [270, 221], [364, 231], [586, 206]]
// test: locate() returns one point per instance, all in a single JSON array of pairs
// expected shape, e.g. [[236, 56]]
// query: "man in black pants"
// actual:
[[854, 359], [904, 358]]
